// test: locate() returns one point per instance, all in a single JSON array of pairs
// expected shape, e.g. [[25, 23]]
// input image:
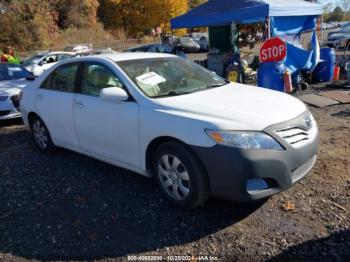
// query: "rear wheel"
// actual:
[[41, 135], [180, 175]]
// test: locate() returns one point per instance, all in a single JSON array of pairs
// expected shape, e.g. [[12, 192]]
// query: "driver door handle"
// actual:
[[79, 104]]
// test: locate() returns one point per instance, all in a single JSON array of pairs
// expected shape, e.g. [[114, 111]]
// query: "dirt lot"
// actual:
[[70, 207]]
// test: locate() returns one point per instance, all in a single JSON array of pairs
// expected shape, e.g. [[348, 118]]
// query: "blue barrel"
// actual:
[[271, 76], [324, 71]]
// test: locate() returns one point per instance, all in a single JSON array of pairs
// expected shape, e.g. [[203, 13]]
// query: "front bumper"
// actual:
[[230, 169], [8, 110]]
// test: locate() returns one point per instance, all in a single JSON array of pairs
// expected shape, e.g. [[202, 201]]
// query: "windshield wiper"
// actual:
[[173, 93], [217, 85]]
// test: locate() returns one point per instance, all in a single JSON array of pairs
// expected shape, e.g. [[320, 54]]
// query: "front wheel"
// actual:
[[180, 175], [41, 136]]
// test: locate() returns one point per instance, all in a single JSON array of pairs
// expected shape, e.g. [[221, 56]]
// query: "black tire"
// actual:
[[304, 86], [198, 186], [44, 143]]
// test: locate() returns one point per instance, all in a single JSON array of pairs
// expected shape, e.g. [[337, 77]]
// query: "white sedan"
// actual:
[[39, 63], [165, 117], [12, 79]]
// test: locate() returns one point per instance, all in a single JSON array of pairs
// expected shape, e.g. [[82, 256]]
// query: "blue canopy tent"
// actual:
[[287, 17], [224, 12]]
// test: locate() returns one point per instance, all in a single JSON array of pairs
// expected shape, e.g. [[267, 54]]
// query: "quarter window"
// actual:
[[96, 77], [62, 79]]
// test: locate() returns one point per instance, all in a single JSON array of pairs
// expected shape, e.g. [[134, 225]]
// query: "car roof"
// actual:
[[143, 46], [132, 56], [59, 52]]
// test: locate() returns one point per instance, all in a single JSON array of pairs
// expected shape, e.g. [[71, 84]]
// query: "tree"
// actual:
[[138, 17], [328, 8], [338, 14], [346, 5], [76, 13], [195, 3], [27, 24]]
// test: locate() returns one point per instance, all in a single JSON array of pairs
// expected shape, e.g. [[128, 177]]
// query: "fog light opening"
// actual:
[[256, 185]]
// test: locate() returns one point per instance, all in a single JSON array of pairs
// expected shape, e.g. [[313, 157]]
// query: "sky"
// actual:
[[334, 2]]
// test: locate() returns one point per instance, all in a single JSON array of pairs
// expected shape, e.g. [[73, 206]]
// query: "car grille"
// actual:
[[293, 135], [15, 101], [4, 113]]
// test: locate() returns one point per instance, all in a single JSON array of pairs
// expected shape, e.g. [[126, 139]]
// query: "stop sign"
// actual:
[[273, 50]]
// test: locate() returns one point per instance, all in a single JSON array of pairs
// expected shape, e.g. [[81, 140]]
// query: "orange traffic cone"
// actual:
[[336, 73]]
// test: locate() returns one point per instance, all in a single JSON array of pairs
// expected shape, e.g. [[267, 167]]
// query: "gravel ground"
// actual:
[[70, 207]]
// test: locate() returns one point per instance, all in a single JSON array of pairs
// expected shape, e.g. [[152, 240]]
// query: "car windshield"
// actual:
[[12, 72], [33, 60], [170, 76], [69, 49], [186, 40], [346, 27]]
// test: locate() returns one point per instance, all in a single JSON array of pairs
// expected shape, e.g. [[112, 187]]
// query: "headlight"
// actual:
[[244, 140], [3, 98]]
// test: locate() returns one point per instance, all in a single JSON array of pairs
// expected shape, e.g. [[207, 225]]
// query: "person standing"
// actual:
[[9, 56]]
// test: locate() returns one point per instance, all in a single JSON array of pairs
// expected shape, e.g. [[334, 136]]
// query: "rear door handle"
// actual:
[[40, 97], [79, 105]]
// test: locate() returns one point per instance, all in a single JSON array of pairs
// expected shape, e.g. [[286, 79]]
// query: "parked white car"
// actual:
[[39, 63], [12, 79], [81, 48], [165, 117]]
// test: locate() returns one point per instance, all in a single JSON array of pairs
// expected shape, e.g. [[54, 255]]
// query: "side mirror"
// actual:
[[31, 77], [114, 94]]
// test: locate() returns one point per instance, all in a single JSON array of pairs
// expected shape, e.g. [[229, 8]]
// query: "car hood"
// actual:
[[235, 106], [338, 36], [12, 87]]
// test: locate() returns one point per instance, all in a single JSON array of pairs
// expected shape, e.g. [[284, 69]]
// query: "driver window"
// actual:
[[50, 59], [96, 77]]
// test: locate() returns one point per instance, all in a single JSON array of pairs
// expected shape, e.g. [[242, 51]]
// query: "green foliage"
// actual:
[[26, 24], [340, 13], [36, 24]]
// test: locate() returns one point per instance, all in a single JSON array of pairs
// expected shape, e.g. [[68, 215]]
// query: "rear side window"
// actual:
[[62, 79], [61, 57]]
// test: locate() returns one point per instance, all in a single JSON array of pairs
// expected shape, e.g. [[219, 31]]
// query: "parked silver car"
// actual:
[[339, 38], [187, 44]]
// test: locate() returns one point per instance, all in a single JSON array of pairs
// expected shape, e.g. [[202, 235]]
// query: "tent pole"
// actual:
[[322, 29], [269, 27]]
